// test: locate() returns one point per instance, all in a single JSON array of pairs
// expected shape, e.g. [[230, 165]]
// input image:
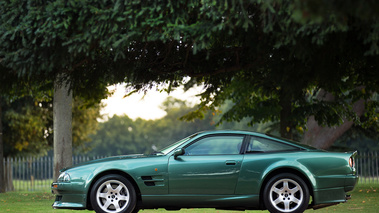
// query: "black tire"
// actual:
[[113, 193], [286, 193]]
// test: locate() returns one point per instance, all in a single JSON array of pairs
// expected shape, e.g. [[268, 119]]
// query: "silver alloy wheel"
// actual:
[[112, 196], [286, 195]]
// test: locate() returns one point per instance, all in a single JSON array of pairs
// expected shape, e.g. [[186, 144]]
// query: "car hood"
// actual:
[[107, 159]]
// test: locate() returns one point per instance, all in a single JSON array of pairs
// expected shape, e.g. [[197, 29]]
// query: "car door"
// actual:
[[210, 165]]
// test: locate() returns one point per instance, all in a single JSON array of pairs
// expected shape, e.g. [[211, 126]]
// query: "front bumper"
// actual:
[[67, 197]]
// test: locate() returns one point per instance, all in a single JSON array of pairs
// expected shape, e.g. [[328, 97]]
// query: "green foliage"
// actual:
[[121, 135], [28, 125], [25, 127], [265, 56], [84, 123], [111, 137], [26, 116], [362, 137], [280, 78]]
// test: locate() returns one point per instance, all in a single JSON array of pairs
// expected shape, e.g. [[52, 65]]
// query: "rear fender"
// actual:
[[288, 166]]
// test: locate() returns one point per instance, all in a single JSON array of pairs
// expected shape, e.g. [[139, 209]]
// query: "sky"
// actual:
[[139, 106]]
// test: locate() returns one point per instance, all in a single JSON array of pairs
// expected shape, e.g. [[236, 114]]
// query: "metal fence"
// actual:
[[33, 174], [36, 174], [368, 167]]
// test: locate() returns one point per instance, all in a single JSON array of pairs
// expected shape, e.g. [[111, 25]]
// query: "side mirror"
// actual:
[[178, 152]]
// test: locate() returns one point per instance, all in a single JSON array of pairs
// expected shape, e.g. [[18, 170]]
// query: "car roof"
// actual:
[[263, 135], [245, 132]]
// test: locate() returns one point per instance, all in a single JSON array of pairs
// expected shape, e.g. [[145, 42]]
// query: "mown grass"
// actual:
[[36, 185], [365, 198]]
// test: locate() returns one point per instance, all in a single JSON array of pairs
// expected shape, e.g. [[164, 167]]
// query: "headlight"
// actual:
[[351, 162], [64, 177]]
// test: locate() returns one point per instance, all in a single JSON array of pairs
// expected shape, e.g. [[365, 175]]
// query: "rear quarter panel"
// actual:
[[329, 169], [322, 169], [257, 166]]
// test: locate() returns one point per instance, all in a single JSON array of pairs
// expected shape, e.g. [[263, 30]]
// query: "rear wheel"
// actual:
[[113, 194], [286, 193]]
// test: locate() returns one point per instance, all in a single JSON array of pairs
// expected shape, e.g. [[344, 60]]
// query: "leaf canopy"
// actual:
[[272, 58]]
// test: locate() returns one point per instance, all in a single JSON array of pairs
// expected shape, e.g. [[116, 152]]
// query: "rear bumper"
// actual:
[[324, 205], [350, 182], [336, 194]]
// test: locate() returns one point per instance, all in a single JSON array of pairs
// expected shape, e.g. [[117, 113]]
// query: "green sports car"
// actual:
[[216, 169]]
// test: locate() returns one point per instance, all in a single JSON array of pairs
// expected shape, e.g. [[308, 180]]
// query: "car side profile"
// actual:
[[233, 170]]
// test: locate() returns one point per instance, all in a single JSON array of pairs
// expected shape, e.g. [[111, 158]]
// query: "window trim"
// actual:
[[249, 137], [242, 149]]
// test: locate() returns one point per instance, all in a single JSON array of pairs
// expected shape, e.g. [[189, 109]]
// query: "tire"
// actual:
[[113, 194], [286, 193]]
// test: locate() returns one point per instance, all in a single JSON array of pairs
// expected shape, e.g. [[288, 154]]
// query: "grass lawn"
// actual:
[[365, 198]]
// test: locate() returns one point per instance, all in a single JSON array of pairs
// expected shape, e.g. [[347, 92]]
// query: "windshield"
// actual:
[[171, 147]]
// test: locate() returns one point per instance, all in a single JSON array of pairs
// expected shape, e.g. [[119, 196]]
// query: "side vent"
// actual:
[[153, 180], [147, 178]]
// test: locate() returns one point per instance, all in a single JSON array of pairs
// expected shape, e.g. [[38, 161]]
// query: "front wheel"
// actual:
[[113, 194], [286, 193]]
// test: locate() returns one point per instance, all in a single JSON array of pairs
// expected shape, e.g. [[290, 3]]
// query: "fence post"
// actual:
[[360, 166], [365, 163], [51, 168], [377, 168], [369, 167], [8, 174]]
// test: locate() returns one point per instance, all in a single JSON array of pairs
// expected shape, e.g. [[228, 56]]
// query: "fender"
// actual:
[[286, 164]]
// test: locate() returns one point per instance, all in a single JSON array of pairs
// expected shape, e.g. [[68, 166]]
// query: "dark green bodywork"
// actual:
[[163, 180]]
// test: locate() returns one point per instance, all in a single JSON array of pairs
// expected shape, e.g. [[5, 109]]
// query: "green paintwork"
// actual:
[[219, 181]]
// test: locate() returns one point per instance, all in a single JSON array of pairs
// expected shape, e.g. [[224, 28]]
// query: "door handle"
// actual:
[[230, 162]]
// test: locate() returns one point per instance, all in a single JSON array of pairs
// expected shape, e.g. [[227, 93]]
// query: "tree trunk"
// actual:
[[8, 177], [324, 137], [2, 182], [62, 108]]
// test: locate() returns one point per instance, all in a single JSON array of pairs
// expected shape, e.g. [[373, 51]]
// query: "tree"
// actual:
[[28, 125], [121, 135], [258, 64], [118, 136], [26, 121], [62, 126], [213, 42], [28, 129], [281, 78], [2, 186], [44, 54], [8, 89], [343, 14]]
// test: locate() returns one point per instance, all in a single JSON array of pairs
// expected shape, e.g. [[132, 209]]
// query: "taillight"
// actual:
[[351, 162]]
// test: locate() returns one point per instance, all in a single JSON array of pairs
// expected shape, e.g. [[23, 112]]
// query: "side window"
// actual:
[[216, 145], [257, 144]]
